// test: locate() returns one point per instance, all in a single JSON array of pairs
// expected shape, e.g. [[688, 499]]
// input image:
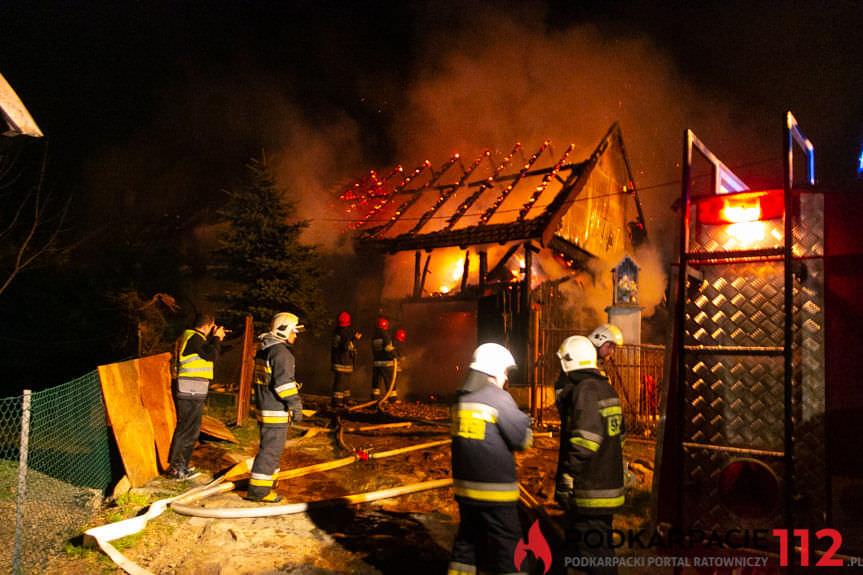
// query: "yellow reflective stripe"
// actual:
[[261, 482], [585, 443], [456, 568], [273, 416], [287, 389], [482, 491], [487, 495], [600, 502], [613, 410]]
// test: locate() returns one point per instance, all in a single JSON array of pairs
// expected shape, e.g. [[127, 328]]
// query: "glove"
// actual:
[[563, 491], [296, 414]]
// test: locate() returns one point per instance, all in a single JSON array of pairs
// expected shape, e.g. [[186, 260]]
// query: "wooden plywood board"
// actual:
[[133, 429], [215, 428], [155, 385]]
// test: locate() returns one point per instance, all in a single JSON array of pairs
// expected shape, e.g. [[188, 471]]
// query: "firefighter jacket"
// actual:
[[196, 354], [590, 461], [487, 427], [383, 350], [276, 393], [344, 349]]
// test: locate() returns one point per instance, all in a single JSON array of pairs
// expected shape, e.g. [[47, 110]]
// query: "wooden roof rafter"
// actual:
[[410, 230], [465, 205], [486, 216], [446, 193], [415, 197]]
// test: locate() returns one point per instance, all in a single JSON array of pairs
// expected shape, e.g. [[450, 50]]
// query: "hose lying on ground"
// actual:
[[273, 510], [101, 536]]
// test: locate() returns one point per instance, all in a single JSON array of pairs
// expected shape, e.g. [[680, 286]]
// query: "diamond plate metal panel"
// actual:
[[734, 404], [744, 236], [743, 308], [810, 465], [703, 508], [809, 227], [735, 401]]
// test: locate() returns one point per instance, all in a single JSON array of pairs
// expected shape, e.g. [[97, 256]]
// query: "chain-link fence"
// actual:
[[55, 466]]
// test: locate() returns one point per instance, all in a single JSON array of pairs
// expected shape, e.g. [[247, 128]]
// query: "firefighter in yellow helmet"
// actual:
[[277, 400], [487, 427], [196, 350], [590, 459]]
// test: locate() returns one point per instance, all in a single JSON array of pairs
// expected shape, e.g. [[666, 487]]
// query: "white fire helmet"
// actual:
[[492, 359], [576, 352], [606, 332], [283, 324]]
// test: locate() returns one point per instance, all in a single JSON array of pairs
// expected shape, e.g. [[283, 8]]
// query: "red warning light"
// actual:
[[741, 207]]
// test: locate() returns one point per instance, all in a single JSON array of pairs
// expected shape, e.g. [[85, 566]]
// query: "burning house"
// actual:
[[477, 249]]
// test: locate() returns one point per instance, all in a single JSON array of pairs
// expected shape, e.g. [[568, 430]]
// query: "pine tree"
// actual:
[[260, 254]]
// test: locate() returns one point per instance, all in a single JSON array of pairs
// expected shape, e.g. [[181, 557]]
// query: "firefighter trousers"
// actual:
[[266, 464], [486, 539], [382, 378], [189, 413], [341, 387], [587, 537]]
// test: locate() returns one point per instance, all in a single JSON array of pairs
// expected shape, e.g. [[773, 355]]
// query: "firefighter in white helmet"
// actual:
[[487, 426], [606, 338], [590, 460], [278, 403]]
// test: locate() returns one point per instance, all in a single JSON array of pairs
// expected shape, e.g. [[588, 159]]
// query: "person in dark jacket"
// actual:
[[487, 427], [195, 352], [590, 460], [278, 403], [343, 354], [383, 359]]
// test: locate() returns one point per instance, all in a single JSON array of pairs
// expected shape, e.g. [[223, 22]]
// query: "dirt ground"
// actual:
[[393, 535]]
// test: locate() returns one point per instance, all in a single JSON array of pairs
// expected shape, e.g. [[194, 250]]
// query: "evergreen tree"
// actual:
[[261, 257]]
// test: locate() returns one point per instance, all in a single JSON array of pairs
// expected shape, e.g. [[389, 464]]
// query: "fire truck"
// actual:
[[758, 436]]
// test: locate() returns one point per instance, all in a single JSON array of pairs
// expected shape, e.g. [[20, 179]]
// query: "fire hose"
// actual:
[[103, 535], [386, 396]]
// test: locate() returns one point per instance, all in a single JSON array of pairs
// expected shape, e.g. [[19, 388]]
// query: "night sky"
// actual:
[[151, 108]]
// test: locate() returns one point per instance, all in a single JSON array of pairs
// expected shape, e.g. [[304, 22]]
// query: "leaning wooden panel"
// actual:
[[155, 385], [130, 421]]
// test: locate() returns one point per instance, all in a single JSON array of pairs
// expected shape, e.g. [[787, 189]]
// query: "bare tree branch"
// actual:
[[27, 250]]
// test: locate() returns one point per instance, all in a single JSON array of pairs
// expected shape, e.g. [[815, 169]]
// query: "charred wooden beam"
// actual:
[[465, 205], [495, 233], [486, 216]]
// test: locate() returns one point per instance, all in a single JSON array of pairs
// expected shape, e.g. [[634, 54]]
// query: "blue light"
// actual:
[[860, 163]]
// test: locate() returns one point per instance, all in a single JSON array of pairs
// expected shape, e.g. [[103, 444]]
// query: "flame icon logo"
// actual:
[[535, 542]]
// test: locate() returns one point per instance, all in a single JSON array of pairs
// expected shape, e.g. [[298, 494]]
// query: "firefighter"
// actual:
[[606, 338], [590, 460], [277, 400], [196, 350], [487, 426], [383, 359], [343, 354]]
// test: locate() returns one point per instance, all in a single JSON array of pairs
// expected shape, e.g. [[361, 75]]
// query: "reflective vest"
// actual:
[[194, 373]]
